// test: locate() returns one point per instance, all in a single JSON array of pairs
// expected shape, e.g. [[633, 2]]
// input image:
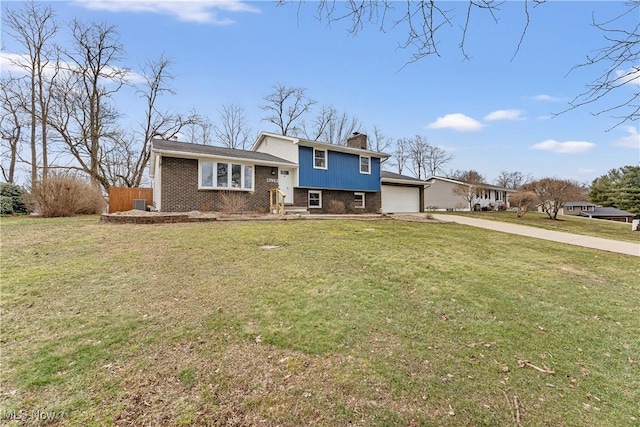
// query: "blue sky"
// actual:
[[492, 113]]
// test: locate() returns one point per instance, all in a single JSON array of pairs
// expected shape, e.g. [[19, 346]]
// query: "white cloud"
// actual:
[[631, 76], [456, 121], [631, 140], [10, 62], [585, 171], [203, 11], [448, 148], [567, 147], [547, 98], [504, 115]]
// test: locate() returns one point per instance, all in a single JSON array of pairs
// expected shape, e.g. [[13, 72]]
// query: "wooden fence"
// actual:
[[121, 198]]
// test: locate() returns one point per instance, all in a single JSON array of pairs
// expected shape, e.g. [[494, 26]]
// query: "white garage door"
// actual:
[[397, 199]]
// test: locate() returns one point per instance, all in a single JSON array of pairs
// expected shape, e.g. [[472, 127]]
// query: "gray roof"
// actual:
[[209, 150], [340, 147], [607, 212], [391, 175], [482, 185], [579, 204]]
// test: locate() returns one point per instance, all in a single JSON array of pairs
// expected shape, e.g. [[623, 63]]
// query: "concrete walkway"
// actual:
[[617, 246]]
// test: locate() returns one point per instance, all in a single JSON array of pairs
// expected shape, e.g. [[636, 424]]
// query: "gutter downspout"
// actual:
[[157, 180]]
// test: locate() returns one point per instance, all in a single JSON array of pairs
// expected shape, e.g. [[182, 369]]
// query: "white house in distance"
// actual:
[[440, 194]]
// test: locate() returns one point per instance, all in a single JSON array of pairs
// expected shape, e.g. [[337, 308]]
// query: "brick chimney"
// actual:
[[357, 140]]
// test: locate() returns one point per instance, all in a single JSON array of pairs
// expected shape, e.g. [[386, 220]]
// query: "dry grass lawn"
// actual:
[[346, 322]]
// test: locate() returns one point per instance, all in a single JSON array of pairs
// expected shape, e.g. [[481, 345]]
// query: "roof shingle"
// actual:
[[209, 150]]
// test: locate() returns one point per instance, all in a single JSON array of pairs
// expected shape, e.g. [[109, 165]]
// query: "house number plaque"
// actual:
[[272, 180]]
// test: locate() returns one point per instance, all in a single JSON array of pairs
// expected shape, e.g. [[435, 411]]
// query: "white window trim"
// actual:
[[570, 208], [326, 159], [319, 197], [364, 203], [229, 168], [365, 172]]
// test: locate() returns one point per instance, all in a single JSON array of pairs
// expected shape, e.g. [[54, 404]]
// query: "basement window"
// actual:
[[315, 199]]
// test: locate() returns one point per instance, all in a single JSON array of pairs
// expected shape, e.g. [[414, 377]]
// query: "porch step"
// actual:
[[296, 210]]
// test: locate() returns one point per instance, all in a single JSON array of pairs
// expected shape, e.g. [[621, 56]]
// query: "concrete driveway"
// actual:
[[617, 246]]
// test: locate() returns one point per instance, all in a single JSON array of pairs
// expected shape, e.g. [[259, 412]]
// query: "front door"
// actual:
[[285, 183]]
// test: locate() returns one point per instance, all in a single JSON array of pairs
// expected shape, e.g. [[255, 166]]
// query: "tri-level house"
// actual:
[[319, 177]]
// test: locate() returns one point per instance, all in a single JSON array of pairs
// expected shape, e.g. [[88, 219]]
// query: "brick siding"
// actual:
[[372, 200], [180, 191]]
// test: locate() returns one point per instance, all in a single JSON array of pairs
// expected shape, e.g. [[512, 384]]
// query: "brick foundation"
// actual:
[[373, 201], [150, 219]]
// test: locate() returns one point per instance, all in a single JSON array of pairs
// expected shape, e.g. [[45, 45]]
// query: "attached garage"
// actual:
[[401, 194]]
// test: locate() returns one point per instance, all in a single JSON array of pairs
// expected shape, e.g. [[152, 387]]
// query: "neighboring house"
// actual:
[[402, 193], [589, 210], [611, 214], [574, 208], [441, 195], [318, 176]]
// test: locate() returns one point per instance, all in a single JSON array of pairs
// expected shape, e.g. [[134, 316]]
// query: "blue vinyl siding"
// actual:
[[343, 172]]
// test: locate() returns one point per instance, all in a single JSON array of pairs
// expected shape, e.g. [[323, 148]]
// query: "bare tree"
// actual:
[[470, 176], [379, 141], [233, 130], [418, 152], [319, 124], [619, 59], [120, 159], [200, 131], [34, 28], [421, 21], [125, 155], [157, 83], [331, 126], [523, 201], [471, 187], [401, 154], [553, 193], [11, 124], [285, 107], [512, 180], [436, 159], [83, 116]]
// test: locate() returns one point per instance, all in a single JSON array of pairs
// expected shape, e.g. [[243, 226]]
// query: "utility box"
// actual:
[[140, 204], [635, 225]]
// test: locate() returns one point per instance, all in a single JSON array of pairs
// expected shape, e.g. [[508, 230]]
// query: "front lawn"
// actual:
[[329, 323], [578, 225]]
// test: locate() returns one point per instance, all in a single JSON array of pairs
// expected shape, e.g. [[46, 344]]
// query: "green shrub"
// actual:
[[12, 199], [68, 194], [6, 205]]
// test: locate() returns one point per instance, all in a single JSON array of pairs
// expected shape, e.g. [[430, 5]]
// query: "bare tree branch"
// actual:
[[11, 124], [422, 22], [619, 60], [285, 106], [33, 27], [233, 130]]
